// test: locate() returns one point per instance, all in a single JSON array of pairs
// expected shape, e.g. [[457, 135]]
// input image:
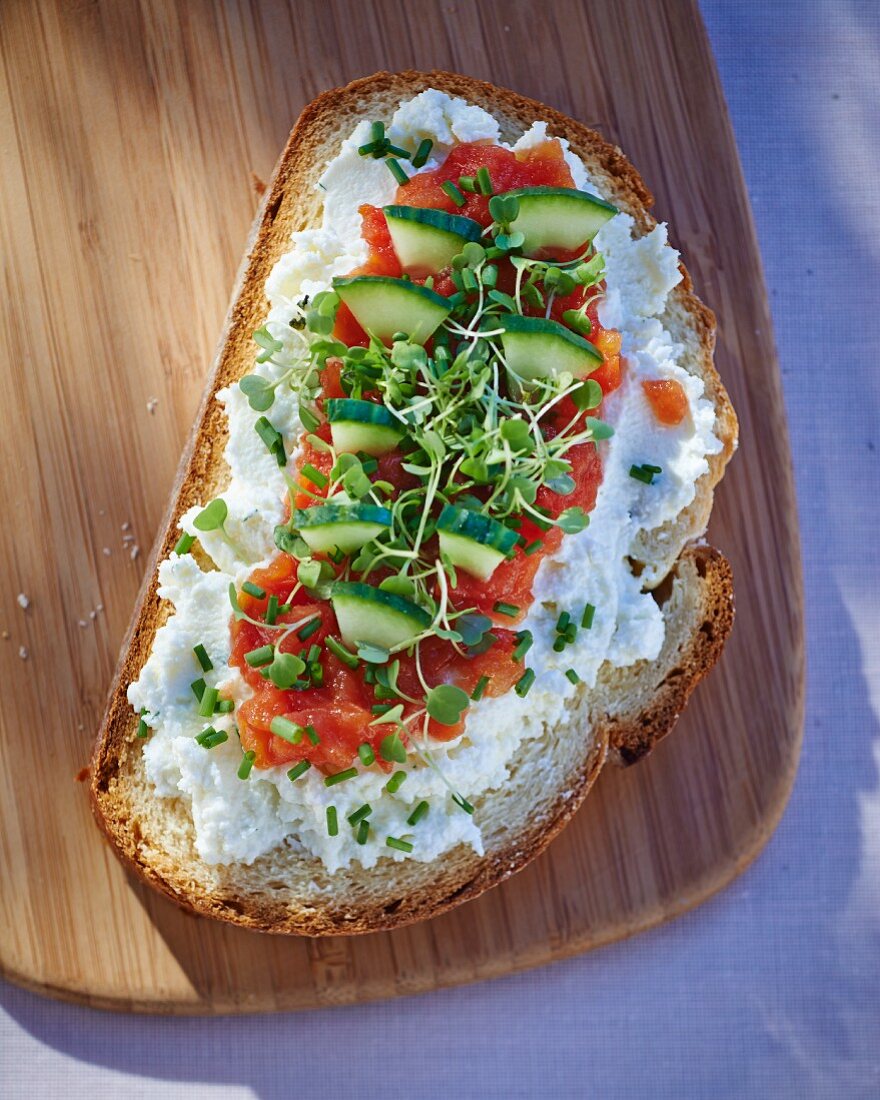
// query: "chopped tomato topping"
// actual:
[[667, 399]]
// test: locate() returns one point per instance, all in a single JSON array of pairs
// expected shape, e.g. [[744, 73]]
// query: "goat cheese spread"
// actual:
[[239, 821]]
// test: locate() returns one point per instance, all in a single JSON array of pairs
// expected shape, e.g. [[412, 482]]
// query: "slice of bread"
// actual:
[[621, 718]]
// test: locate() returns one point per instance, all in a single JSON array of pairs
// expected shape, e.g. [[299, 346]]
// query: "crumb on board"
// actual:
[[151, 405], [22, 652], [23, 602]]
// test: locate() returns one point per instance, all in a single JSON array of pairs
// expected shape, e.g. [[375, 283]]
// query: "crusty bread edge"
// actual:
[[628, 737]]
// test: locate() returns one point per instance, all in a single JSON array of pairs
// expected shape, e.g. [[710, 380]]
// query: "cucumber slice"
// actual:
[[535, 347], [425, 240], [346, 527], [362, 426], [558, 217], [475, 543], [383, 306], [367, 614]]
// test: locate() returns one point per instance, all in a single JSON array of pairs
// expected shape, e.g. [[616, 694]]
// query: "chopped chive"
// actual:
[[394, 167], [570, 632], [489, 276], [400, 845], [562, 622], [418, 813], [210, 738], [202, 657], [254, 590], [262, 656], [143, 729], [284, 608], [332, 822], [395, 782], [645, 473], [377, 131], [524, 683], [336, 555], [339, 650], [467, 183], [572, 676], [360, 813], [314, 476], [502, 608], [287, 730], [184, 544], [312, 735], [340, 777], [198, 688], [560, 644], [309, 629], [273, 440], [272, 610], [225, 706], [422, 153], [314, 653], [533, 547], [524, 644], [396, 151], [365, 752], [381, 708], [482, 684], [363, 832], [462, 803], [208, 702], [449, 189], [247, 762], [308, 419], [297, 770], [484, 181], [587, 619]]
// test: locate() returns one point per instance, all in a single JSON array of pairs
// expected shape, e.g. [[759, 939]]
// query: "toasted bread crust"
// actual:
[[697, 586]]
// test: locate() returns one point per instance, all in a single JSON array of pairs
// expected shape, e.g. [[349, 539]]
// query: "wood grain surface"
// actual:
[[129, 136]]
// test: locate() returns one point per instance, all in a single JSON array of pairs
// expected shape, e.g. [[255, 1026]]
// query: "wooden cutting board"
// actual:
[[129, 135]]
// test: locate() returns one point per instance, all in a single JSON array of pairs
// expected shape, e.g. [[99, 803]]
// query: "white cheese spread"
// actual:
[[239, 821]]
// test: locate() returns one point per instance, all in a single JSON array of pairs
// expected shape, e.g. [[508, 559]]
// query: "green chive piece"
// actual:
[[570, 632], [449, 188], [297, 770], [484, 181], [202, 657], [462, 803], [418, 813], [360, 813], [184, 544], [340, 777], [314, 476], [143, 729], [272, 610], [377, 131], [395, 782], [645, 472], [560, 644], [400, 845], [363, 832], [312, 735], [587, 620], [572, 676], [254, 590], [533, 547], [482, 684], [198, 688], [422, 153], [562, 622], [210, 738], [396, 170], [247, 762], [339, 650], [287, 730], [225, 706], [370, 147], [314, 653], [489, 276], [309, 629], [467, 183], [396, 151], [262, 656], [502, 608], [365, 752], [273, 440], [332, 822], [524, 683], [208, 702], [524, 641], [381, 708]]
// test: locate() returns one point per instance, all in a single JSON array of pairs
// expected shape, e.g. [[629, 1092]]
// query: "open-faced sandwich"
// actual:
[[435, 554]]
